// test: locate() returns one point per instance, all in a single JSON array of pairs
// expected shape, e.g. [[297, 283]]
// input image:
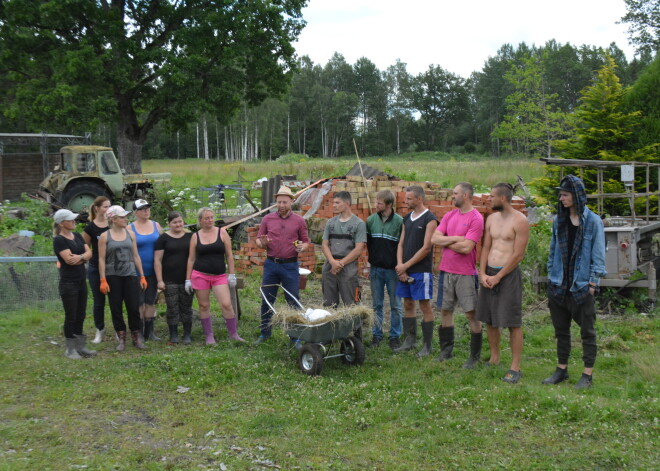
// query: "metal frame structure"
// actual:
[[629, 246]]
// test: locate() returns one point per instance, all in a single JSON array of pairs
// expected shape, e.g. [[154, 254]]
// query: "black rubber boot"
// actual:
[[174, 333], [149, 330], [446, 335], [475, 351], [410, 329], [427, 335], [187, 329]]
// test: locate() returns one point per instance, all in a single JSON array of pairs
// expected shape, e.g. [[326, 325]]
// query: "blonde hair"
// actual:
[[200, 213], [56, 229]]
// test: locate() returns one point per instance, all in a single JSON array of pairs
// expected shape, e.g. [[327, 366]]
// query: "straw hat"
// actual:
[[285, 191]]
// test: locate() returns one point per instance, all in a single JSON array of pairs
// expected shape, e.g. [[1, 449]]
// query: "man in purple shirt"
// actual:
[[284, 235]]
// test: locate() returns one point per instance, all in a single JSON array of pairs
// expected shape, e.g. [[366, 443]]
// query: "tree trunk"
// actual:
[[130, 153], [206, 138]]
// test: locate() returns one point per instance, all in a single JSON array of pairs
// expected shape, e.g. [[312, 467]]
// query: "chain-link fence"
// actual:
[[29, 282]]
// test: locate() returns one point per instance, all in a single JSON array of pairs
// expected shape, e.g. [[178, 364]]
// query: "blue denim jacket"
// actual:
[[590, 261]]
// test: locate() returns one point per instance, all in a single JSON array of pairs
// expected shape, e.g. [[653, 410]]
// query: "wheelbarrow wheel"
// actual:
[[353, 350], [310, 360]]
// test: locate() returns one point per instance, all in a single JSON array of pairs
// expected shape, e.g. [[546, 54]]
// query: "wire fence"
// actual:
[[29, 282]]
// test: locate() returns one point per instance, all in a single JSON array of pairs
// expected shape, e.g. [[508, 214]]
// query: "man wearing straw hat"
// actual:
[[284, 235]]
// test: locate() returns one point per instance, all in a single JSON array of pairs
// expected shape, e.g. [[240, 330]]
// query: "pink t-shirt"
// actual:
[[469, 225]]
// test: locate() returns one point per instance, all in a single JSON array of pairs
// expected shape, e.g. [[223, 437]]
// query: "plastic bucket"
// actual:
[[303, 272]]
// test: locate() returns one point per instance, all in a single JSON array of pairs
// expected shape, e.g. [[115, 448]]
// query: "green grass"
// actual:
[[427, 166], [250, 408]]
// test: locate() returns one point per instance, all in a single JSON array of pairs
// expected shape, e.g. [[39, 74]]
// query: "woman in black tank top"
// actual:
[[207, 271]]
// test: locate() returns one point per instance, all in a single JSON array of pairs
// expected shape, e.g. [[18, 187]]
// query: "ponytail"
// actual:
[[94, 207]]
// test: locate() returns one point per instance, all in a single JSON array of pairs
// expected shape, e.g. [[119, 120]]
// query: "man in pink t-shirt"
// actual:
[[458, 234]]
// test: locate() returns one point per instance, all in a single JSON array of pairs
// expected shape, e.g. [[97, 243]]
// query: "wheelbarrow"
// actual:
[[321, 339]]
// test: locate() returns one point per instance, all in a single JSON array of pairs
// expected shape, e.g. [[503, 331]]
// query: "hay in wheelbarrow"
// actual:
[[286, 315]]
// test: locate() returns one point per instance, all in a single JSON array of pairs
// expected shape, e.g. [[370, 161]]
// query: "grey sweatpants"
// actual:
[[345, 285]]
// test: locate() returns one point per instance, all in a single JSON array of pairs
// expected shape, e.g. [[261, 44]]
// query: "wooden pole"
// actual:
[[366, 190]]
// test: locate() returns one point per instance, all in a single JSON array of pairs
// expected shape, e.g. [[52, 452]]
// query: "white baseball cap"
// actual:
[[140, 204], [114, 211], [62, 215]]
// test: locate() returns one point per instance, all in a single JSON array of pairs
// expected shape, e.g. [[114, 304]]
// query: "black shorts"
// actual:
[[501, 306], [148, 296]]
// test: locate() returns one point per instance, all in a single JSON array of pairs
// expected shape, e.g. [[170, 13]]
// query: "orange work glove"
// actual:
[[105, 288], [143, 283]]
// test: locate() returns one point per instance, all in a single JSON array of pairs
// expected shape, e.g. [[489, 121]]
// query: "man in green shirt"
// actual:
[[383, 234]]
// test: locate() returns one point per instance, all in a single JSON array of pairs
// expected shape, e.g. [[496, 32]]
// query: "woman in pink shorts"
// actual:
[[209, 248]]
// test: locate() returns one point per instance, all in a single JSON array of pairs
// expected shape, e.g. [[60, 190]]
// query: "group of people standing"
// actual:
[[401, 263], [130, 263]]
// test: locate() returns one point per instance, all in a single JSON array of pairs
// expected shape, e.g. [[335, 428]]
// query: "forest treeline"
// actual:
[[520, 102]]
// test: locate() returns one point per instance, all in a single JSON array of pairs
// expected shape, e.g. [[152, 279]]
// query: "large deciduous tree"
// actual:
[[441, 98], [75, 63], [643, 18], [532, 121]]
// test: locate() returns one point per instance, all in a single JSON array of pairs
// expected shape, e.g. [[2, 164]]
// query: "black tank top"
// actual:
[[210, 258]]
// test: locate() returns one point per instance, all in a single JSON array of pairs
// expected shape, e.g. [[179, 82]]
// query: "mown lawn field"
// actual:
[[237, 407]]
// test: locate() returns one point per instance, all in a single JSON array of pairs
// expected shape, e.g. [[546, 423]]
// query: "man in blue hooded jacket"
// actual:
[[575, 265]]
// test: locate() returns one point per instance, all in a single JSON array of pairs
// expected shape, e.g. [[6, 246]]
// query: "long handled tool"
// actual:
[[366, 190]]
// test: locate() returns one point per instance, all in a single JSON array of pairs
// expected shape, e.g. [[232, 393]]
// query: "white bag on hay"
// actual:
[[313, 315]]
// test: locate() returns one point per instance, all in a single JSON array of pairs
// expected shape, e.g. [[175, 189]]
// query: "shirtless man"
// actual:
[[500, 298]]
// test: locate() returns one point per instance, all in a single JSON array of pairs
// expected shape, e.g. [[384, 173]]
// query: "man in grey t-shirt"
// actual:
[[344, 239]]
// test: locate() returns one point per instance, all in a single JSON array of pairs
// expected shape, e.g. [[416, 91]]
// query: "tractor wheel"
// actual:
[[79, 196]]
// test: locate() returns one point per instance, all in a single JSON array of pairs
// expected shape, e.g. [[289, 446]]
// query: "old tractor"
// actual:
[[85, 172]]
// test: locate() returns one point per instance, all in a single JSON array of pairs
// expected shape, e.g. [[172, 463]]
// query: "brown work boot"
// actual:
[[121, 338], [137, 339]]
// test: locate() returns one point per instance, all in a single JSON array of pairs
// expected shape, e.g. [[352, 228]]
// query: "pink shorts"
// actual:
[[201, 280]]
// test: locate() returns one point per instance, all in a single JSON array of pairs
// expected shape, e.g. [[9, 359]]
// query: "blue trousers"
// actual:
[[288, 276], [382, 278]]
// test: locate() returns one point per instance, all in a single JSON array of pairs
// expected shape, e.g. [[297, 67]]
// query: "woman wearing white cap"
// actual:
[[72, 253], [118, 262], [146, 234]]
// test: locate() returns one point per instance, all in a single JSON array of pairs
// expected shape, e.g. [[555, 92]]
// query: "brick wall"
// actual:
[[438, 201]]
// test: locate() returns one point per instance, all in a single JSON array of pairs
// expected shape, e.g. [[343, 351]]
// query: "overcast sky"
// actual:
[[458, 35]]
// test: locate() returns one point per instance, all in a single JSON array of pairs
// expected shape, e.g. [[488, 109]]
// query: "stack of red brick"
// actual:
[[438, 200]]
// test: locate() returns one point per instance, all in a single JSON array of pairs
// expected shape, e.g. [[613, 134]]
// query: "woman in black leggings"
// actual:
[[72, 253], [118, 259]]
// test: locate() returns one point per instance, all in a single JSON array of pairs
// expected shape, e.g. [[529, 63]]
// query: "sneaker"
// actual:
[[261, 339], [512, 376], [585, 382], [395, 343], [560, 374]]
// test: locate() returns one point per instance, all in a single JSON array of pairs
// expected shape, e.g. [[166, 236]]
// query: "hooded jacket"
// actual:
[[587, 259]]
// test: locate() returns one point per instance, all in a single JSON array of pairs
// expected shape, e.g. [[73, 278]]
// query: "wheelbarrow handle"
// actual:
[[263, 295]]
